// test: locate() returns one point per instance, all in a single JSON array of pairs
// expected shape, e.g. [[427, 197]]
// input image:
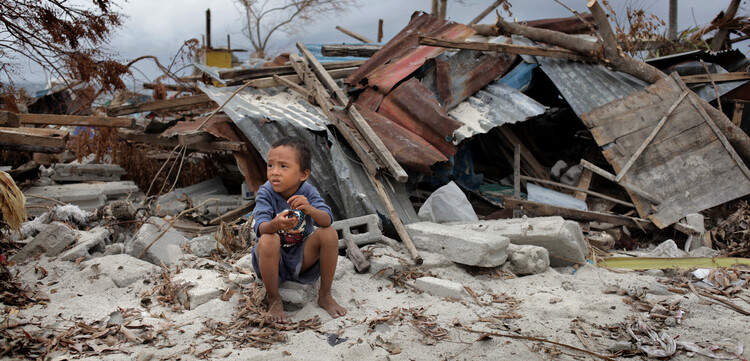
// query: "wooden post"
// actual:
[[485, 12], [434, 8], [380, 30], [584, 183], [396, 220], [443, 9], [361, 264], [359, 37], [517, 172]]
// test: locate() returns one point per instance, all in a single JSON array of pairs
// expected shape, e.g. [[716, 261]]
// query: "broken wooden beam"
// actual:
[[637, 190], [359, 50], [211, 146], [171, 87], [505, 48], [292, 85], [270, 82], [540, 209], [9, 119], [485, 12], [360, 123], [55, 138], [71, 120], [233, 214], [254, 73], [30, 148], [359, 37], [595, 194], [396, 220], [717, 77], [361, 264], [169, 105]]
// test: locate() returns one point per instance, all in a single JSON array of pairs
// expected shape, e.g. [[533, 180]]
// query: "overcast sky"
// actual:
[[159, 27]]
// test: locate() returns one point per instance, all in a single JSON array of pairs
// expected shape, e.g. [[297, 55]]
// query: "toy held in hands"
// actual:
[[289, 239]]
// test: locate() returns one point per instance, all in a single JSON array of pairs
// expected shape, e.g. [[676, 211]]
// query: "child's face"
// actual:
[[283, 170]]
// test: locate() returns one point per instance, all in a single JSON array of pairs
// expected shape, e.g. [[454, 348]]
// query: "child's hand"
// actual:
[[285, 223], [301, 203]]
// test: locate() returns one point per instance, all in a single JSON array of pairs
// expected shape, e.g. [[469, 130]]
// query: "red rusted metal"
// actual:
[[403, 54], [416, 108], [465, 73], [409, 149]]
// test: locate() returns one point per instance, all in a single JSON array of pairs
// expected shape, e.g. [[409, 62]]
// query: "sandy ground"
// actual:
[[384, 321]]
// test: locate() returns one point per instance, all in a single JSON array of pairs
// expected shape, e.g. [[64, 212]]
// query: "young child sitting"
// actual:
[[289, 247]]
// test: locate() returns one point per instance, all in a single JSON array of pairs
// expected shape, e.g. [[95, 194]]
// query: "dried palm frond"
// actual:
[[12, 202]]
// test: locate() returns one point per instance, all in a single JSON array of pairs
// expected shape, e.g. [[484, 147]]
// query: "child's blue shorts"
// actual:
[[290, 264]]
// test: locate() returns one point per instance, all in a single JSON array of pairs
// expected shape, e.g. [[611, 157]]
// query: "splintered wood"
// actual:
[[688, 164]]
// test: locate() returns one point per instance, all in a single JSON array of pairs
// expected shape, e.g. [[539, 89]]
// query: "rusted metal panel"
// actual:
[[403, 54], [408, 148], [416, 108], [463, 74]]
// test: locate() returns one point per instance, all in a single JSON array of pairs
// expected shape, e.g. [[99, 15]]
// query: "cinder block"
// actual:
[[440, 287], [563, 239], [167, 249], [50, 241], [362, 230], [89, 242], [460, 245]]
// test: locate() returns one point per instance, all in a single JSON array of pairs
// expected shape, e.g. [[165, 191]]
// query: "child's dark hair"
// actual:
[[296, 143]]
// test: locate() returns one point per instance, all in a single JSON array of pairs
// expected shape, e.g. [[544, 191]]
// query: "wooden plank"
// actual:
[[360, 147], [270, 82], [737, 115], [292, 85], [393, 216], [44, 137], [541, 209], [9, 119], [590, 166], [359, 122], [30, 148], [171, 87], [650, 137], [233, 214], [212, 146], [596, 194], [255, 73], [584, 183], [361, 264], [717, 77], [77, 120], [505, 48], [517, 171], [359, 37], [175, 104], [359, 50]]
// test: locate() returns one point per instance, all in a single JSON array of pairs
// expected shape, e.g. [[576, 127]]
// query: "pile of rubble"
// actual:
[[514, 170]]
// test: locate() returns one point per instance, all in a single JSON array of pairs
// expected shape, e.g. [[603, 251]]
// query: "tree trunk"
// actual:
[[672, 20], [443, 9], [720, 41]]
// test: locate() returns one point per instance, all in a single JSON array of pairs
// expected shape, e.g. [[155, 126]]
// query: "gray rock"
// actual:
[[462, 246], [207, 285], [440, 287], [527, 260], [123, 269], [704, 252], [166, 249], [203, 246], [563, 239], [621, 346], [246, 262], [655, 272], [658, 289], [670, 321], [88, 243], [668, 249], [51, 241], [117, 248]]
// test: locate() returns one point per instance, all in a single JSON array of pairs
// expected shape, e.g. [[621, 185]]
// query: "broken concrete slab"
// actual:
[[207, 285], [563, 239], [362, 230], [440, 287], [527, 259], [668, 249], [167, 249], [51, 241], [123, 269], [87, 196], [245, 263], [298, 294], [204, 245], [89, 242], [460, 245], [73, 172]]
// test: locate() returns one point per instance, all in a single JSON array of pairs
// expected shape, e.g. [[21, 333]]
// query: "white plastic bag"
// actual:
[[447, 204]]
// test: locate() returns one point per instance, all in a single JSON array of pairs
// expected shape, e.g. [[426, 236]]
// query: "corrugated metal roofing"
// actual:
[[584, 86], [265, 115]]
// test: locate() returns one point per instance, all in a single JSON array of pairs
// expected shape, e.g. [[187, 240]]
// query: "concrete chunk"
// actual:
[[460, 245], [563, 239], [70, 172], [50, 241], [167, 249], [88, 242], [439, 287], [527, 260], [123, 269], [362, 230], [207, 285]]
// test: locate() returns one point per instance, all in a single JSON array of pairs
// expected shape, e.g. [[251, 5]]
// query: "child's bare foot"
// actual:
[[329, 304], [276, 309]]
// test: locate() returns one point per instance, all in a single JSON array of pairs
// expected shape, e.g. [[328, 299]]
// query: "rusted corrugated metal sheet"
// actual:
[[409, 149], [416, 108], [403, 54], [459, 76]]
